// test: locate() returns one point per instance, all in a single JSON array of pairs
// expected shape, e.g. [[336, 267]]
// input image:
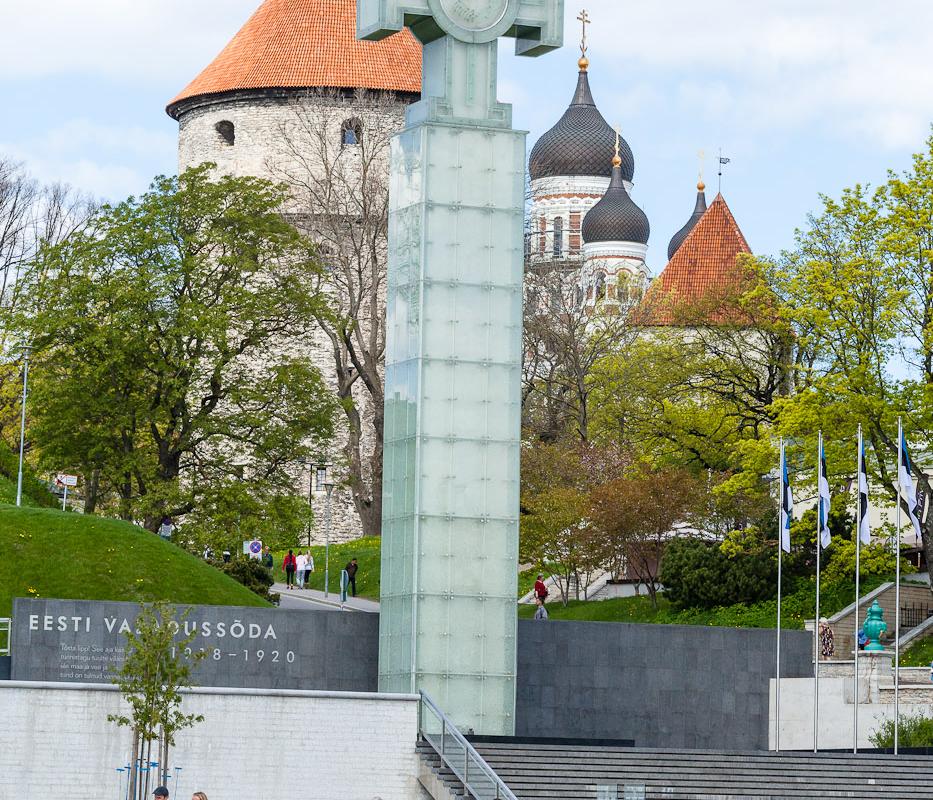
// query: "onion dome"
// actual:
[[616, 218], [581, 143], [698, 211], [302, 44]]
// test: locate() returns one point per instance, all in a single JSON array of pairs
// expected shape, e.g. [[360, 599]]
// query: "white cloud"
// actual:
[[849, 65], [126, 40], [91, 156]]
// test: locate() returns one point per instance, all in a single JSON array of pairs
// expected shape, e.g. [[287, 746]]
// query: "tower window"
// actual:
[[558, 237], [351, 132], [226, 131]]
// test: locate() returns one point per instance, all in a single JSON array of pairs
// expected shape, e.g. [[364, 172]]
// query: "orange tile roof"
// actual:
[[308, 43], [703, 269]]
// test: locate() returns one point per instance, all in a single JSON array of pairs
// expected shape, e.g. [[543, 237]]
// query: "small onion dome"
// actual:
[[684, 232], [616, 218], [581, 143]]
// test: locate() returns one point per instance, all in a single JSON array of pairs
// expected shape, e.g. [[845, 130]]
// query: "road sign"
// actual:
[[255, 548], [66, 480]]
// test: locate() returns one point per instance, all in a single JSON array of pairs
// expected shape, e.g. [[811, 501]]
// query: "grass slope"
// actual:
[[919, 654], [795, 608], [48, 553], [368, 554]]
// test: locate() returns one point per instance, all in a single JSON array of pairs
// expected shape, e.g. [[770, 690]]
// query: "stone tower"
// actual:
[[282, 101]]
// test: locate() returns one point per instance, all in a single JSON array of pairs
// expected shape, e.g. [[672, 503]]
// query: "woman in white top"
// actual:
[[301, 566]]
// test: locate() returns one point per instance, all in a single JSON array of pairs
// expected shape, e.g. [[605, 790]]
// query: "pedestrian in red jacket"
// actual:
[[540, 589], [290, 564]]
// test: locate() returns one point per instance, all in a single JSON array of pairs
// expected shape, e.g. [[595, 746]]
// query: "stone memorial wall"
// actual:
[[83, 641]]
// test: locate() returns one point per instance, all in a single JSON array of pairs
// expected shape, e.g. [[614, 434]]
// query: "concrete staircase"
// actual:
[[843, 624], [559, 772]]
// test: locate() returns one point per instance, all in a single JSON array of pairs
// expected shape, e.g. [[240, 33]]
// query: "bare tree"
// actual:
[[573, 319], [30, 215], [334, 156]]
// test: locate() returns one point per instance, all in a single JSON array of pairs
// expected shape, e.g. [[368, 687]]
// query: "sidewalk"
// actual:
[[316, 597]]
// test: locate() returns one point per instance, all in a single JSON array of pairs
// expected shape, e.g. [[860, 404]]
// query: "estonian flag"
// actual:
[[787, 505], [908, 487], [823, 491], [864, 528]]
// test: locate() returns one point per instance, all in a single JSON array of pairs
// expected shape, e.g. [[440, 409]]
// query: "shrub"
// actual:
[[697, 574], [916, 730], [253, 575]]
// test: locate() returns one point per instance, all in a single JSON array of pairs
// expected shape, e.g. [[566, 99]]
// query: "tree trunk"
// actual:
[[91, 491]]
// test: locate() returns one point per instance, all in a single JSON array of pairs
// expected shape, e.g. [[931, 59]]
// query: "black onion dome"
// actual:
[[684, 232], [581, 143], [616, 218]]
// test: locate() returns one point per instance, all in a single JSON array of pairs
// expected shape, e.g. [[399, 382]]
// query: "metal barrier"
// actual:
[[5, 636], [458, 754]]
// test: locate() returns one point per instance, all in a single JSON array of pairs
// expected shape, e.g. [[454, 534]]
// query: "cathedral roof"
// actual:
[[305, 44], [615, 218], [704, 267], [581, 143], [698, 210]]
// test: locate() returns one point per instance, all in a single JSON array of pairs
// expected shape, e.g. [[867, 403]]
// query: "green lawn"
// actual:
[[920, 654], [795, 608], [367, 552], [49, 553]]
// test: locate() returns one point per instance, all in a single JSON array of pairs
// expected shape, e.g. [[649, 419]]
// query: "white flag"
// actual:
[[864, 528], [908, 487], [787, 505], [823, 491]]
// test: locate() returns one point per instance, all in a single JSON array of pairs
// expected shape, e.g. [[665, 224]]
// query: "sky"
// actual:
[[804, 98]]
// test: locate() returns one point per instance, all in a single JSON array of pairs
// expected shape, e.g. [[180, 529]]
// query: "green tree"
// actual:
[[151, 679], [635, 516], [859, 284], [169, 364]]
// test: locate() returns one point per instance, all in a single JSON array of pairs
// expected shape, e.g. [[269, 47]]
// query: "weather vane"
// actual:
[[584, 18], [617, 159], [701, 156]]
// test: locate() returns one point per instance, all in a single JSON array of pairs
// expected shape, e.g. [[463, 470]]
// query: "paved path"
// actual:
[[314, 599]]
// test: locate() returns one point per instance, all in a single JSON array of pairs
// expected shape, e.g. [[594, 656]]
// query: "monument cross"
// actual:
[[453, 360]]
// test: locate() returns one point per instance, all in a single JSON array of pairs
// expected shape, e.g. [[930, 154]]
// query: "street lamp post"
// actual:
[[22, 427], [329, 488]]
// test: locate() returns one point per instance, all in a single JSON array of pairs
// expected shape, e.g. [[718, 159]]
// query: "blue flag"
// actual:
[[823, 491], [787, 505]]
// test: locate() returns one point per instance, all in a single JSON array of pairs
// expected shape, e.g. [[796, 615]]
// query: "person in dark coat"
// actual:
[[351, 569], [290, 564]]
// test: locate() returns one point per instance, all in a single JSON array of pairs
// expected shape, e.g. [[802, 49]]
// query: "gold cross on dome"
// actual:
[[585, 19]]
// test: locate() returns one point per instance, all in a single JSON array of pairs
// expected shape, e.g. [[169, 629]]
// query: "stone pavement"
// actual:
[[313, 598]]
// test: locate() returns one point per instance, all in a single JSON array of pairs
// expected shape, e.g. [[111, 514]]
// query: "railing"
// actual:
[[4, 636], [458, 754], [914, 615]]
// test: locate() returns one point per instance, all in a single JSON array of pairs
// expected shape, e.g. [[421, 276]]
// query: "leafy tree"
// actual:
[[253, 575], [169, 349], [555, 504], [635, 516], [859, 283], [151, 679]]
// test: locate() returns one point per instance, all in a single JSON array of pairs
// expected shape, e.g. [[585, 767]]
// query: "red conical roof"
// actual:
[[308, 43], [703, 268]]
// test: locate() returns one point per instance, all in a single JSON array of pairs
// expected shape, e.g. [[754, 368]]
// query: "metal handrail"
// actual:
[[5, 627], [472, 761]]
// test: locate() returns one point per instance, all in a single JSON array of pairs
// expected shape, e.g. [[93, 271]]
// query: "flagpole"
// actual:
[[777, 684], [816, 622], [897, 585], [858, 542]]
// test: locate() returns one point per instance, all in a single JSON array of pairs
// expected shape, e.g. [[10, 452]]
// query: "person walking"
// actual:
[[160, 791], [540, 611], [199, 796], [351, 569], [540, 589], [289, 565], [301, 567], [267, 561]]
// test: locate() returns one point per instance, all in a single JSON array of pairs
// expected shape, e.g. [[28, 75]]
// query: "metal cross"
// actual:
[[585, 19], [460, 53]]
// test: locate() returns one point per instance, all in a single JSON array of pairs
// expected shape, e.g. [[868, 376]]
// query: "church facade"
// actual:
[[295, 97]]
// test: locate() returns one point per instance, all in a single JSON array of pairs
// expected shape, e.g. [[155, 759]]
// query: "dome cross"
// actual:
[[585, 20]]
